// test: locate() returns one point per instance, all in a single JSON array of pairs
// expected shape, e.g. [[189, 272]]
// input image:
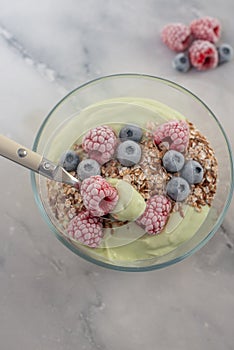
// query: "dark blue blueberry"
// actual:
[[178, 189], [131, 132], [128, 153], [181, 62], [192, 172], [87, 168], [69, 160], [173, 161], [225, 52]]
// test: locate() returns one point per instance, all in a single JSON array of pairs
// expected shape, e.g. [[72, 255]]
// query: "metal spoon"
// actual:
[[34, 161]]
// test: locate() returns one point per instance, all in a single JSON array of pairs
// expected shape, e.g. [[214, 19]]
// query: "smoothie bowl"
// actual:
[[154, 167]]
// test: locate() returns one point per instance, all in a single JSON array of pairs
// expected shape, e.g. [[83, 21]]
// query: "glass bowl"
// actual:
[[130, 98]]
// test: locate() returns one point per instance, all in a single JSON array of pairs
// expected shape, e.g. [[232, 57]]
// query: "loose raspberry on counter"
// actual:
[[86, 229], [99, 197], [100, 143], [175, 133], [155, 215], [203, 55], [206, 28], [176, 36]]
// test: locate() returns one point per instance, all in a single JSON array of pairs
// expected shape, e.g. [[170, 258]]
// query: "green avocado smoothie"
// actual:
[[148, 246], [129, 242]]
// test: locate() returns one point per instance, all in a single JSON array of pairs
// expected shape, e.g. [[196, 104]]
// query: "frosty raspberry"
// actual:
[[156, 214], [175, 133], [206, 28], [100, 143], [176, 36], [203, 55], [86, 229], [99, 197]]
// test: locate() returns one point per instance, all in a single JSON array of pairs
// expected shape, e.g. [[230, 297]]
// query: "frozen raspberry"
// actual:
[[99, 196], [206, 28], [155, 215], [176, 36], [203, 55], [100, 143], [175, 133], [86, 229]]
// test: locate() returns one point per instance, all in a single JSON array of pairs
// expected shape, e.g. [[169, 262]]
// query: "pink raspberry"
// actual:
[[206, 28], [203, 55], [100, 143], [86, 229], [175, 133], [99, 197], [176, 36], [155, 215]]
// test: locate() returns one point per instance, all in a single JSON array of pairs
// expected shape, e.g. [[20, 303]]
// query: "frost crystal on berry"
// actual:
[[203, 55], [206, 28], [86, 229], [100, 143], [155, 215], [175, 133], [99, 197], [176, 36]]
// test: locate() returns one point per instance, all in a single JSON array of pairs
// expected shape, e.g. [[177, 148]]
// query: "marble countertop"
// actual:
[[49, 298]]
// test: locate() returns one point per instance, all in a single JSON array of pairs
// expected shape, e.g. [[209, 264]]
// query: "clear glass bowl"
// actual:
[[66, 122]]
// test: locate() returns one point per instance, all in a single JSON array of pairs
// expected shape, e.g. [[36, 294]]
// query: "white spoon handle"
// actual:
[[19, 154], [34, 161]]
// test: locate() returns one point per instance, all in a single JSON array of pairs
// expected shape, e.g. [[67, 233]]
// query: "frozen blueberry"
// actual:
[[69, 160], [178, 189], [128, 153], [225, 52], [87, 168], [181, 62], [192, 172], [131, 132], [173, 161]]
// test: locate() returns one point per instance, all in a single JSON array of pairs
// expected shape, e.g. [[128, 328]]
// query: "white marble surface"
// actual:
[[50, 298]]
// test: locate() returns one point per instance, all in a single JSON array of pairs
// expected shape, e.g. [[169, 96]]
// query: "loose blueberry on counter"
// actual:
[[226, 53], [69, 160], [128, 153], [173, 161], [131, 132], [192, 172], [181, 62], [87, 168], [178, 189]]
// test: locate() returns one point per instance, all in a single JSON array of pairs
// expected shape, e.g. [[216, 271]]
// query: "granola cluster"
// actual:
[[148, 177], [64, 200], [200, 150]]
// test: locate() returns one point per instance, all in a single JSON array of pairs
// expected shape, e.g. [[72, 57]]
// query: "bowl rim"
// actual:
[[131, 268]]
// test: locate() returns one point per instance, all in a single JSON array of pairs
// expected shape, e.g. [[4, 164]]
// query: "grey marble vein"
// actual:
[[228, 236], [46, 71]]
